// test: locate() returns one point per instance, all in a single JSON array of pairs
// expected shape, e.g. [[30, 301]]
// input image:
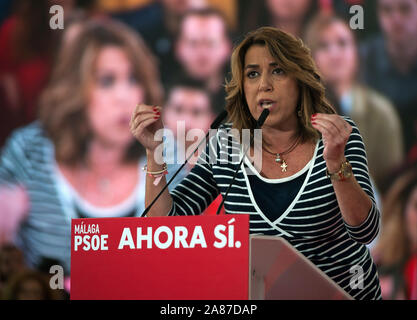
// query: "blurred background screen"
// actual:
[[72, 72]]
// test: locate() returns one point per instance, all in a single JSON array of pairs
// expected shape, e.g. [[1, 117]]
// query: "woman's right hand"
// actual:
[[145, 122]]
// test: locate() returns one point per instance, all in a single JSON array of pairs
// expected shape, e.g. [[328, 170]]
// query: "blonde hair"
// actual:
[[295, 59], [393, 247], [63, 103]]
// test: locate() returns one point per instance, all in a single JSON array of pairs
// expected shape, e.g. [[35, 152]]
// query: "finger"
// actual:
[[144, 116], [329, 121], [328, 135], [144, 109], [325, 126], [347, 127], [143, 125], [342, 128], [341, 124], [323, 130]]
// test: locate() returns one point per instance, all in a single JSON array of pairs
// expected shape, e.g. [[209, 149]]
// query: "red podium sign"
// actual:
[[193, 257]]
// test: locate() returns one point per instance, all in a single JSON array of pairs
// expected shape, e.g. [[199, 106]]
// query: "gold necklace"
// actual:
[[278, 156]]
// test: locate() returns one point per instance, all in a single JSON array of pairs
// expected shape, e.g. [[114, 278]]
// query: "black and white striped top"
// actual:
[[312, 223], [28, 160]]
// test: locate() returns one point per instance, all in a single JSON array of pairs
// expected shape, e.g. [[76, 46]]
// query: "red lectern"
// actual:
[[190, 258]]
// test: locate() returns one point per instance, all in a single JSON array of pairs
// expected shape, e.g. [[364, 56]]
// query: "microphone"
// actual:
[[219, 119], [259, 123], [215, 124], [262, 118]]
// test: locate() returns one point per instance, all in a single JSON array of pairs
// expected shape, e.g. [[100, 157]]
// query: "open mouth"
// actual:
[[266, 104]]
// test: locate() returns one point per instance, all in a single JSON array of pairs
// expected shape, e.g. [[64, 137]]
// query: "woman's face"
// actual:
[[411, 218], [336, 55], [115, 93], [264, 82]]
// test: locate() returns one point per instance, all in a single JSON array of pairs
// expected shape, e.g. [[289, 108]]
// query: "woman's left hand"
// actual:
[[335, 133]]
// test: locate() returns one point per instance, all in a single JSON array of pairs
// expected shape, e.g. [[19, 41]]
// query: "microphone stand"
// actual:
[[259, 124], [216, 123]]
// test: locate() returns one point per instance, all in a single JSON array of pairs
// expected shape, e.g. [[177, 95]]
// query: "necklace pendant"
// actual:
[[104, 185], [284, 166], [278, 158]]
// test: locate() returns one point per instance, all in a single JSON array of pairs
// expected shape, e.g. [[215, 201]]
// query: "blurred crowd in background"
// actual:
[[67, 95]]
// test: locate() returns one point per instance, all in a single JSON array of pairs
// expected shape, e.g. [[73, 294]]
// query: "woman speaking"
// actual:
[[313, 187]]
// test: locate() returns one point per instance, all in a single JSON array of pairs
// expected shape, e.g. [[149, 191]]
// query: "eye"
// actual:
[[386, 9], [252, 74], [133, 79], [343, 43], [105, 81], [197, 113], [178, 109], [278, 71], [404, 9]]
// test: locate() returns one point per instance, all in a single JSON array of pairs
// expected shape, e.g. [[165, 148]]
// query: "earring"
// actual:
[[299, 113]]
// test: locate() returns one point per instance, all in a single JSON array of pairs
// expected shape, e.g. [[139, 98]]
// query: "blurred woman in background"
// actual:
[[291, 16], [396, 251], [80, 159], [335, 52]]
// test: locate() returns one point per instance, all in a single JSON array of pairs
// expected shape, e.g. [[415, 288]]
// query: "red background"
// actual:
[[173, 273]]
